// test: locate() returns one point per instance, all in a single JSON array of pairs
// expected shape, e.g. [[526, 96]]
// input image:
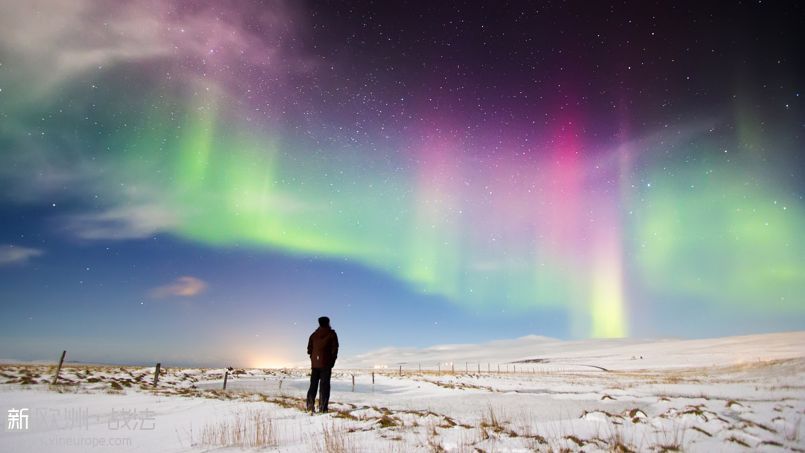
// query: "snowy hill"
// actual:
[[614, 354]]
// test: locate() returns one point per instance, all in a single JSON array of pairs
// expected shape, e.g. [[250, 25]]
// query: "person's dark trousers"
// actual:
[[316, 375]]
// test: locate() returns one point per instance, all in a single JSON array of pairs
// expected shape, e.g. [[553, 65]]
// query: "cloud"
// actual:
[[10, 254], [123, 222], [53, 35], [185, 286], [62, 39]]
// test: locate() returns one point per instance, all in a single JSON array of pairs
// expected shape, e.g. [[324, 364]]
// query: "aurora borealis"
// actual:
[[421, 172]]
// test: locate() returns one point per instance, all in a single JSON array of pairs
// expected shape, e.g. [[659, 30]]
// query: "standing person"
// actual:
[[323, 350]]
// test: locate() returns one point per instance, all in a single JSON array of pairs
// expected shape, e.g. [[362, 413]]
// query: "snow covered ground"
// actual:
[[728, 394]]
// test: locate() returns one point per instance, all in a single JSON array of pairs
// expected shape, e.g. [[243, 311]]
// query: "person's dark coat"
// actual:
[[323, 348]]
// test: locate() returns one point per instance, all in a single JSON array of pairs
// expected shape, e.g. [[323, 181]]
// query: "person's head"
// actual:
[[324, 321]]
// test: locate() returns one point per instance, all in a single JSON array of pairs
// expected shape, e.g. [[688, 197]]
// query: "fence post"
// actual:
[[373, 378], [353, 382], [58, 369], [156, 374], [400, 370], [226, 376], [479, 367], [453, 367]]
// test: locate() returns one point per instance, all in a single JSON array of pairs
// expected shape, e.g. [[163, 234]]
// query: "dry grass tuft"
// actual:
[[696, 428], [345, 414], [433, 441], [335, 439], [673, 439], [387, 421], [575, 440], [252, 429], [490, 420], [616, 441], [738, 441]]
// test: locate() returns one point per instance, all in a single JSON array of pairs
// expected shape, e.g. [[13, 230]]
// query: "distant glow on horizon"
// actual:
[[260, 362]]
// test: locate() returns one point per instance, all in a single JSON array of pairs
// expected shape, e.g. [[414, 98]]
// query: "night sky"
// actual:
[[195, 182]]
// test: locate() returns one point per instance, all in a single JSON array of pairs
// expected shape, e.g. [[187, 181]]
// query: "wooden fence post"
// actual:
[[373, 378], [226, 375], [58, 369], [353, 382], [400, 370], [156, 374]]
